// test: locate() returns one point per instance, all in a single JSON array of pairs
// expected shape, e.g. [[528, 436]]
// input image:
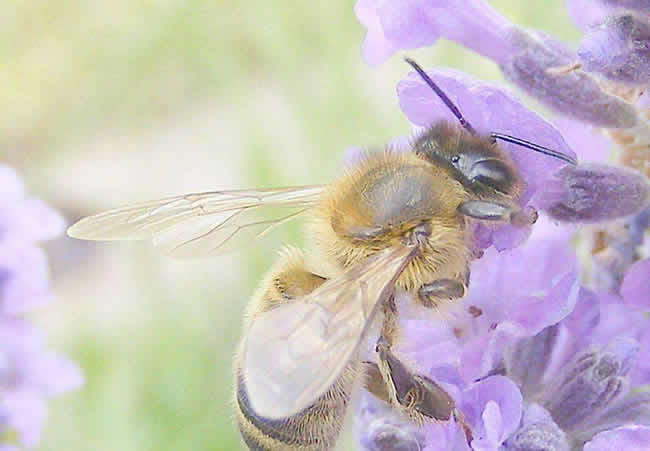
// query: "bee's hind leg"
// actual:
[[417, 396], [390, 380]]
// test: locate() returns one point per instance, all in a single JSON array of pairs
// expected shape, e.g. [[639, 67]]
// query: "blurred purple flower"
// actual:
[[585, 13], [530, 59], [29, 374], [618, 49]]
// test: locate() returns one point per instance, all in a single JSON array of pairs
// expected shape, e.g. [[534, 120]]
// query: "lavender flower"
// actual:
[[29, 374], [530, 59], [535, 362], [534, 358], [618, 49]]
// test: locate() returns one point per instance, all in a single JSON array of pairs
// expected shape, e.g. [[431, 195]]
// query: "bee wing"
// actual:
[[200, 224], [295, 352]]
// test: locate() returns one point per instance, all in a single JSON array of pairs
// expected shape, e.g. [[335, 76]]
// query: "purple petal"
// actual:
[[544, 270], [29, 221], [586, 12], [618, 49], [11, 186], [493, 409], [393, 26], [375, 48], [593, 193], [448, 436], [25, 281], [636, 285], [25, 414], [589, 142], [52, 375], [628, 438]]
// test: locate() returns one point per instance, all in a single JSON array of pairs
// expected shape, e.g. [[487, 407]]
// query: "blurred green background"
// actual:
[[106, 103]]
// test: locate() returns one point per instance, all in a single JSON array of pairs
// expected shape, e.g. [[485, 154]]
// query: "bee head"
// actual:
[[476, 162]]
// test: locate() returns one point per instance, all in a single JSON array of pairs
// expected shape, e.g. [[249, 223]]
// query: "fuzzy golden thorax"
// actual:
[[376, 204]]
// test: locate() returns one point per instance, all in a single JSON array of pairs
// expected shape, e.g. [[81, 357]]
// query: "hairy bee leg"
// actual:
[[443, 288], [493, 211], [376, 384], [389, 328], [431, 293], [418, 396]]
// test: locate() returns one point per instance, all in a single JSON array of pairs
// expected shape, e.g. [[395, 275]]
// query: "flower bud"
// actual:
[[618, 49]]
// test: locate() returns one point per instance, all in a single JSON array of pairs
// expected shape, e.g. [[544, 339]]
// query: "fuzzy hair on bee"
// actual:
[[379, 201]]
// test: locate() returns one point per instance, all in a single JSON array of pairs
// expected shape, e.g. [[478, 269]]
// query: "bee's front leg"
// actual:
[[494, 211]]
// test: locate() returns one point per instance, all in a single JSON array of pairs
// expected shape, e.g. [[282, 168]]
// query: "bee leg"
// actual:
[[420, 398], [493, 211], [431, 293]]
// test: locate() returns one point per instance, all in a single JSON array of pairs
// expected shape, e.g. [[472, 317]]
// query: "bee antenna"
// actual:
[[467, 126], [446, 100], [533, 146]]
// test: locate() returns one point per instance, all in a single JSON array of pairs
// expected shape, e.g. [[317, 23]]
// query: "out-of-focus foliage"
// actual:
[[106, 103]]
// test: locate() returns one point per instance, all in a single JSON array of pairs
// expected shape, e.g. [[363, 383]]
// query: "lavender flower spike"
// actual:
[[618, 49], [528, 58]]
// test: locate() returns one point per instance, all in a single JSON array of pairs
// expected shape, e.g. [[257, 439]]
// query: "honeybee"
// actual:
[[396, 221]]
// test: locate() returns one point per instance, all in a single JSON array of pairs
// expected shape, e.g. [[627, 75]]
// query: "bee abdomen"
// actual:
[[316, 428]]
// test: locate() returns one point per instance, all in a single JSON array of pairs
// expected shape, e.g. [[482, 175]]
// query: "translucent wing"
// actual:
[[295, 352], [200, 224]]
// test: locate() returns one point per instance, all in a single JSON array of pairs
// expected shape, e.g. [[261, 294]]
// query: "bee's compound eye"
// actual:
[[455, 159], [492, 173]]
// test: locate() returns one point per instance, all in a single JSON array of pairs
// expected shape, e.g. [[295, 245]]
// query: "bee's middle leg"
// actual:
[[432, 293]]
